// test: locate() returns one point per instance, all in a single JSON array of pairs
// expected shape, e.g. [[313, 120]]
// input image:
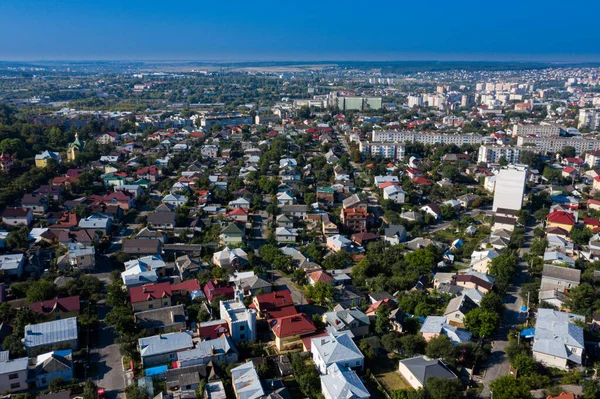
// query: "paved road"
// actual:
[[498, 364], [108, 358]]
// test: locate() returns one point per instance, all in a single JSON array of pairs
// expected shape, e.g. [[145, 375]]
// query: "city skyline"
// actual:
[[273, 31]]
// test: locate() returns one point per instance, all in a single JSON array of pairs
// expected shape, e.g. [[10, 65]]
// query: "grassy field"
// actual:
[[386, 372]]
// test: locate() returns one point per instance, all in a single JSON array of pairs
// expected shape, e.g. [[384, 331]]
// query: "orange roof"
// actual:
[[320, 276], [562, 217]]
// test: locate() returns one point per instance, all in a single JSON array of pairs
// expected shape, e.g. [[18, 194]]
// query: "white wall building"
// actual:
[[510, 187]]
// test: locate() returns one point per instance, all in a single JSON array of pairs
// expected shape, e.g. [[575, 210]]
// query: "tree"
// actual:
[[382, 322], [441, 347], [443, 388], [136, 392], [568, 152], [492, 302], [90, 390], [19, 238], [508, 387], [307, 376], [391, 342], [56, 384], [41, 290], [482, 323], [581, 299], [367, 350], [524, 364], [413, 344], [320, 292]]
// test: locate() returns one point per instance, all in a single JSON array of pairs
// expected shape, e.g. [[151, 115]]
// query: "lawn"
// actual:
[[386, 372]]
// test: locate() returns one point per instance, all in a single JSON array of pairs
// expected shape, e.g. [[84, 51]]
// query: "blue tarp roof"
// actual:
[[156, 370], [528, 333]]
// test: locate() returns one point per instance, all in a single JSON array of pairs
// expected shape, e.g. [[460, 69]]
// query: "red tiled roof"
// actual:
[[307, 341], [274, 300], [289, 326], [385, 302], [561, 217], [593, 202], [69, 304], [148, 292], [569, 169], [212, 331], [237, 211], [421, 181], [188, 285], [212, 289], [320, 276]]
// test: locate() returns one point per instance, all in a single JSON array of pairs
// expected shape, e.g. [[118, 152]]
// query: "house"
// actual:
[[142, 246], [163, 320], [246, 383], [13, 373], [275, 304], [251, 284], [342, 383], [57, 308], [12, 264], [355, 219], [289, 330], [212, 289], [337, 349], [81, 256], [150, 296], [481, 260], [232, 234], [285, 198], [231, 258], [219, 351], [162, 220], [96, 222], [52, 365], [41, 160], [242, 203], [327, 226], [353, 320], [175, 200], [15, 216], [558, 340], [569, 172], [395, 194], [296, 211], [432, 209], [212, 329], [237, 215], [46, 335], [434, 326], [558, 258], [163, 348], [338, 242], [320, 277], [559, 278], [363, 238], [457, 309], [394, 234], [38, 204], [240, 320], [284, 221], [470, 281], [325, 195], [417, 370], [285, 235], [563, 219]]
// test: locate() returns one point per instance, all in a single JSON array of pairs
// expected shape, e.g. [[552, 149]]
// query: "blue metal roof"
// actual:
[[158, 370]]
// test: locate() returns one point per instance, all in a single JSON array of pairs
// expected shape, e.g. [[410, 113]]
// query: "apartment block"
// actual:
[[493, 153], [556, 144], [541, 130]]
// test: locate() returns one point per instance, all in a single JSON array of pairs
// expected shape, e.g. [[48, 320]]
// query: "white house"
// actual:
[[342, 383], [558, 341], [481, 260], [395, 194], [336, 349], [13, 373]]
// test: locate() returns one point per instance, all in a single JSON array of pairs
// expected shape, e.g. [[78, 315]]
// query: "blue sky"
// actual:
[[291, 30]]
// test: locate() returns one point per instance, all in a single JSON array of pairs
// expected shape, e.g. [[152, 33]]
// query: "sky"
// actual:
[[284, 30]]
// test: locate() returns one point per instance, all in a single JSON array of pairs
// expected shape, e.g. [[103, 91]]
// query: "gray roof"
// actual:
[[343, 383], [165, 343], [562, 273], [555, 332], [342, 319], [395, 229], [50, 333], [246, 382], [162, 217], [207, 349], [163, 317], [423, 368], [463, 303], [336, 348], [12, 366]]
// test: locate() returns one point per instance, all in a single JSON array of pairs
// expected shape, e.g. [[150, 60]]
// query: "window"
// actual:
[[242, 336], [15, 386], [150, 306], [13, 376], [242, 328]]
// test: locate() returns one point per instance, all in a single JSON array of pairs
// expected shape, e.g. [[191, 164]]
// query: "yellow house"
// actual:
[[74, 148], [562, 219], [41, 160]]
